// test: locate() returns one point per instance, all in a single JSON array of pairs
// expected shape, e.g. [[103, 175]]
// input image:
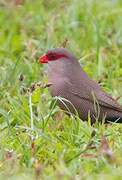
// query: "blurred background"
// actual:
[[93, 32]]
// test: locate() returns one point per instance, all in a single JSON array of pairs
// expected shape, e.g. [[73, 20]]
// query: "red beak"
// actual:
[[43, 59]]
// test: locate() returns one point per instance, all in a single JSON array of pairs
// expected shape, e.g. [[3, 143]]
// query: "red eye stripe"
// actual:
[[55, 56], [51, 56]]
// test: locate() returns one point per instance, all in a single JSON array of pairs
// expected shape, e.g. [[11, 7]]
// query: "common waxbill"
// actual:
[[80, 94]]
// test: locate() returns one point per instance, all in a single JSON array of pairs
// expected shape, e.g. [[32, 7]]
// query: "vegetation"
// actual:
[[37, 140]]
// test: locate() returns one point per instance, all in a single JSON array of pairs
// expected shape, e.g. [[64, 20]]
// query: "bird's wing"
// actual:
[[103, 98], [107, 101]]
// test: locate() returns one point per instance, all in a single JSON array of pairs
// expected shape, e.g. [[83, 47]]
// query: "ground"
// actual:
[[37, 141]]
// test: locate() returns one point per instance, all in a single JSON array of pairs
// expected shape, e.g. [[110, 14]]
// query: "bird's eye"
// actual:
[[51, 56]]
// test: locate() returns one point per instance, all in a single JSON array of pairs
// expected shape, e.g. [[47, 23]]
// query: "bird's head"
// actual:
[[55, 55]]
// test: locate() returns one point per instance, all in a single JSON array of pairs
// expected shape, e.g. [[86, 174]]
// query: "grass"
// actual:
[[37, 141]]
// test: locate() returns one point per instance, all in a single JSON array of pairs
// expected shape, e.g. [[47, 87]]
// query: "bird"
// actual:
[[80, 95]]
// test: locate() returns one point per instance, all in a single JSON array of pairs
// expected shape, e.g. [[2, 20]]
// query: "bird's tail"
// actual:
[[115, 119]]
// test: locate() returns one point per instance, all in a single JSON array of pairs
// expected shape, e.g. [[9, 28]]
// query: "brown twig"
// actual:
[[64, 43], [34, 86]]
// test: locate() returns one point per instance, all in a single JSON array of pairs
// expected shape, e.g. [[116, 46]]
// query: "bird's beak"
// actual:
[[43, 59]]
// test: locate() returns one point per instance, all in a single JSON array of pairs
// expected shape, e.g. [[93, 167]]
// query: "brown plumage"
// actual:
[[69, 81]]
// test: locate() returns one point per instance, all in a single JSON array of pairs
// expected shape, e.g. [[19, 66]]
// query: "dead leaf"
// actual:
[[105, 150]]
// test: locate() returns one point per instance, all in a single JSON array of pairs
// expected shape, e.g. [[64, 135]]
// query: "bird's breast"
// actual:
[[59, 86]]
